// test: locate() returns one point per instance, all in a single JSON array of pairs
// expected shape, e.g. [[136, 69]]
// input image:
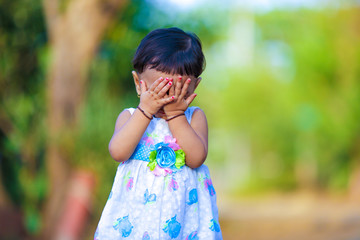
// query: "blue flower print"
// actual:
[[193, 197], [172, 227], [214, 226], [124, 226], [110, 195], [165, 155], [192, 236], [209, 186], [149, 198], [211, 190], [96, 234], [146, 236]]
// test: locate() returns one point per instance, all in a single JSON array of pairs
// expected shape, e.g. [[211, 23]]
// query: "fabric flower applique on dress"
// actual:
[[166, 158], [172, 227], [123, 225]]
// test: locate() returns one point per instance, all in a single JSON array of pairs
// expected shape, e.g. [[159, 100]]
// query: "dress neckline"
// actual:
[[158, 118]]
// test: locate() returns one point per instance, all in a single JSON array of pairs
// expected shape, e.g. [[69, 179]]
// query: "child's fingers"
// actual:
[[142, 86], [184, 88], [161, 86], [167, 100], [164, 89], [172, 89], [178, 87], [190, 99], [156, 83]]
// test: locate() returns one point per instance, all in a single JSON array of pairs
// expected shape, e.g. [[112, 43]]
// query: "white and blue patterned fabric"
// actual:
[[141, 205]]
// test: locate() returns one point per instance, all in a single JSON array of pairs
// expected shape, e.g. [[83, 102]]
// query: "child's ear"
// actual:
[[198, 80], [136, 81]]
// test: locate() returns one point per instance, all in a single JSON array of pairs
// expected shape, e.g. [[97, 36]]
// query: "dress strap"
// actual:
[[189, 112], [131, 110]]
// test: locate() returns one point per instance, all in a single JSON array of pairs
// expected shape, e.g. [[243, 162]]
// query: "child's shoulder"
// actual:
[[195, 113], [123, 116]]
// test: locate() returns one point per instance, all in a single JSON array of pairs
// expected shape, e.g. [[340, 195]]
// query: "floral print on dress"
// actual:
[[123, 225], [146, 236], [207, 184], [172, 227], [171, 183], [149, 198], [148, 140], [192, 236], [96, 234], [214, 226], [193, 197], [128, 181]]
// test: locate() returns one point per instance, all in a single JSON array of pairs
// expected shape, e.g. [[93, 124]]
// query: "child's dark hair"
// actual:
[[170, 50]]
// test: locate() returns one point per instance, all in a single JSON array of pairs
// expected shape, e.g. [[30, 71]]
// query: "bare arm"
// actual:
[[192, 138], [130, 128], [128, 132]]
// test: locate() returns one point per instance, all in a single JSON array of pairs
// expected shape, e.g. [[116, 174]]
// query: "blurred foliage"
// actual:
[[296, 103], [22, 41], [280, 92]]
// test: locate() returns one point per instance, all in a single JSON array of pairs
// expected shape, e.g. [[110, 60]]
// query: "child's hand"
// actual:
[[153, 99], [180, 104]]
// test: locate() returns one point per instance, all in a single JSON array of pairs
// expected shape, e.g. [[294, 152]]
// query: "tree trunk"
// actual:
[[74, 34]]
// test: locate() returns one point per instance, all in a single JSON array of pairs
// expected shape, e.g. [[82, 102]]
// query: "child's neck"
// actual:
[[160, 115]]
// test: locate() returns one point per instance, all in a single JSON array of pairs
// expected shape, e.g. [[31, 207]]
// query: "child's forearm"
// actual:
[[126, 138], [191, 143], [129, 131]]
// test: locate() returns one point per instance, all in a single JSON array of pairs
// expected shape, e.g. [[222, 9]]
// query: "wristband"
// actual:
[[144, 113], [175, 116]]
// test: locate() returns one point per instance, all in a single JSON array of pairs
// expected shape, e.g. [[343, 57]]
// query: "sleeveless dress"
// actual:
[[174, 202]]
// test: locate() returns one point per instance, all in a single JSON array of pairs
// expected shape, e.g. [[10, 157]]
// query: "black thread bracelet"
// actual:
[[175, 116], [144, 113]]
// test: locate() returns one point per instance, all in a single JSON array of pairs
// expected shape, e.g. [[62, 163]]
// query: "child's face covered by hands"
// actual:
[[182, 88], [151, 75]]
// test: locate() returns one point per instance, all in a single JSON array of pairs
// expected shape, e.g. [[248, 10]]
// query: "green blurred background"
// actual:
[[281, 92]]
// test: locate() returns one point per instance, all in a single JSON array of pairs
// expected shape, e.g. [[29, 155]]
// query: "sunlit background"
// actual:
[[281, 92]]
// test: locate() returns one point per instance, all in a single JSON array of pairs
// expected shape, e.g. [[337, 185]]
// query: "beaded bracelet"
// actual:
[[144, 113], [175, 116]]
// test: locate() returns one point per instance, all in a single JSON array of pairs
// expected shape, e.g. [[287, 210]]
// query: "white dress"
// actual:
[[167, 202]]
